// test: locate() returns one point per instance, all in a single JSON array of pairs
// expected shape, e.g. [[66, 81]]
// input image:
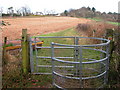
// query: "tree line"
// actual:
[[26, 11], [88, 12], [23, 11]]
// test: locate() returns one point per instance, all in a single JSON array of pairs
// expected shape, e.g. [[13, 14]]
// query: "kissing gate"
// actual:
[[71, 63]]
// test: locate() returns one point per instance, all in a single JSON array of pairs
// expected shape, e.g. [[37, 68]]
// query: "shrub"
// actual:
[[83, 27], [94, 29], [97, 28]]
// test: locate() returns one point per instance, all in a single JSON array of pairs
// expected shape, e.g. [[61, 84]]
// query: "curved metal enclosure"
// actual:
[[80, 66]]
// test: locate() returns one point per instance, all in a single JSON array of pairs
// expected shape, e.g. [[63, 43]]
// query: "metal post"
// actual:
[[80, 68], [52, 55], [31, 56], [107, 63], [36, 55], [76, 53]]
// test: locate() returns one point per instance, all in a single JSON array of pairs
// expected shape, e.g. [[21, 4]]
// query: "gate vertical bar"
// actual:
[[107, 63], [80, 68], [31, 56], [76, 53], [52, 55], [36, 55]]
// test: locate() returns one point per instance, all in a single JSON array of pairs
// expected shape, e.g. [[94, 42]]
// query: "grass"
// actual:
[[95, 19], [98, 20], [114, 23], [68, 32]]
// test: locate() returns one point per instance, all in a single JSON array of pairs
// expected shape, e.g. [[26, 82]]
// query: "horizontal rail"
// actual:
[[13, 47], [19, 46], [58, 86], [56, 57], [102, 44], [69, 37], [53, 37], [42, 73], [64, 89], [38, 43], [83, 78], [55, 47], [72, 48], [73, 62], [55, 66], [93, 45]]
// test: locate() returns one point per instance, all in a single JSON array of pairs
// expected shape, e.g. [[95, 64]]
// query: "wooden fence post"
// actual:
[[4, 52], [25, 51], [109, 35]]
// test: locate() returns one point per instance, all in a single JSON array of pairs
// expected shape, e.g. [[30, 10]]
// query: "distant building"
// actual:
[[58, 14], [38, 13]]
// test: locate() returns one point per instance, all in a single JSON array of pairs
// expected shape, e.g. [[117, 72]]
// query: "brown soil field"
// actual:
[[38, 25]]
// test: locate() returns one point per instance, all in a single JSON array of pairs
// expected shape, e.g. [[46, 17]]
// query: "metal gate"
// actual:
[[72, 64], [40, 57]]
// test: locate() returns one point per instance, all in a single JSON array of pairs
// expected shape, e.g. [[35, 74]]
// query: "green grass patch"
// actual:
[[8, 45], [100, 20], [68, 32], [95, 19], [114, 23]]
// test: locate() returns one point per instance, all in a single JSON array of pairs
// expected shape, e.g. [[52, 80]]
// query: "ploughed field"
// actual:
[[38, 25]]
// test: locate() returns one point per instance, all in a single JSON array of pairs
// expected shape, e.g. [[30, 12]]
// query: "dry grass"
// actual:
[[13, 77], [94, 29]]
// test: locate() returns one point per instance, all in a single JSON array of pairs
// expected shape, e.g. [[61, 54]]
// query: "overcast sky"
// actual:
[[61, 5]]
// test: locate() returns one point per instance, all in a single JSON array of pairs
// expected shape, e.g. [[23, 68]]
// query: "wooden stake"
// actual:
[[4, 52]]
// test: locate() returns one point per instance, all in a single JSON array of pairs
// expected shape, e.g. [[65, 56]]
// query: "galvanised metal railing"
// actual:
[[87, 68], [41, 61], [71, 63]]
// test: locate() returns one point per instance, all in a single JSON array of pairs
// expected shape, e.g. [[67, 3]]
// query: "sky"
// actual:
[[61, 5]]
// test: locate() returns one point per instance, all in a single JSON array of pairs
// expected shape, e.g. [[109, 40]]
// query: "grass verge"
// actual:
[[100, 20]]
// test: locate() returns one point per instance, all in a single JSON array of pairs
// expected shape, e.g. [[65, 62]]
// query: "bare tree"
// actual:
[[49, 12], [39, 13], [1, 11], [24, 11], [18, 11], [52, 12], [10, 11], [46, 12]]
